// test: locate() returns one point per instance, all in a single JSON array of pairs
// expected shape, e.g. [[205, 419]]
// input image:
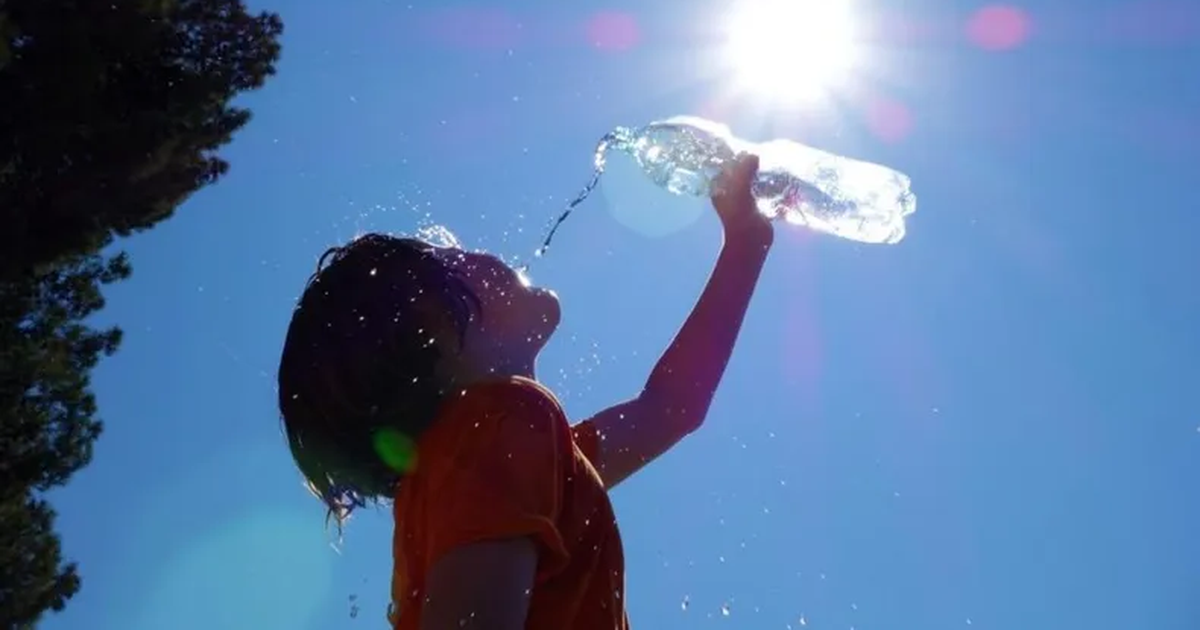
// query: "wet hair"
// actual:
[[358, 381]]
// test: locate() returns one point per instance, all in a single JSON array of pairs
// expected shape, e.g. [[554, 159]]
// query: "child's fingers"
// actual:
[[736, 177], [748, 166], [743, 172]]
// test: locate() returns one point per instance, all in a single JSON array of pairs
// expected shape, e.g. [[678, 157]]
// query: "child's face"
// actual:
[[517, 319]]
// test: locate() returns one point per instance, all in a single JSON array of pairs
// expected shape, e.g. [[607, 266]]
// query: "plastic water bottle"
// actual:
[[801, 185]]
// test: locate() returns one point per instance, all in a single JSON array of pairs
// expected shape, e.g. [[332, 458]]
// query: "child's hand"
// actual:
[[735, 204]]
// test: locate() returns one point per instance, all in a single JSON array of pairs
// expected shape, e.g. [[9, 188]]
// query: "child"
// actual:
[[407, 374]]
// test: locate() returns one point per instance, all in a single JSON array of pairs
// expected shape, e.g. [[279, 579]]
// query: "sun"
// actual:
[[791, 50]]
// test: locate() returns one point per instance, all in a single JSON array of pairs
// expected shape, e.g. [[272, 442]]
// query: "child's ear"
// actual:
[[441, 328]]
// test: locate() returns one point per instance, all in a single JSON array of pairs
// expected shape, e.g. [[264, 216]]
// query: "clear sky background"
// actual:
[[991, 425]]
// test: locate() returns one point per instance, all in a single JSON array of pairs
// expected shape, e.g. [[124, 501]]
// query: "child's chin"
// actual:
[[550, 309]]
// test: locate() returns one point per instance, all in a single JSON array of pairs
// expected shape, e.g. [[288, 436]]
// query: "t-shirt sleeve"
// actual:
[[503, 478], [587, 438]]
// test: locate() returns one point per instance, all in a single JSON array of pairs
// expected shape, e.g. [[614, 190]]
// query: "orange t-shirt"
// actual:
[[500, 462]]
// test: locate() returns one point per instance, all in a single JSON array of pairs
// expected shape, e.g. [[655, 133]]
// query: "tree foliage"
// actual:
[[111, 114]]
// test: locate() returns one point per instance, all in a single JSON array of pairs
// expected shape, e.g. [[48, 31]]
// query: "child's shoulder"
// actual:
[[496, 411], [511, 395], [495, 425]]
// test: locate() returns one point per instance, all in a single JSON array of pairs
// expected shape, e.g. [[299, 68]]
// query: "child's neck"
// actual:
[[467, 374]]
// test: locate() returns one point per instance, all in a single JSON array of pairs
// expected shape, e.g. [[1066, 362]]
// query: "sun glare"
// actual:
[[791, 49]]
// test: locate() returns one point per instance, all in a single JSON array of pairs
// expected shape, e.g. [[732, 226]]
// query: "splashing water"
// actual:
[[441, 236], [438, 236]]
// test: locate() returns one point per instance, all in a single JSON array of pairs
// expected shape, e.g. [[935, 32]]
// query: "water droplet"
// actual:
[[683, 605], [803, 620], [725, 609]]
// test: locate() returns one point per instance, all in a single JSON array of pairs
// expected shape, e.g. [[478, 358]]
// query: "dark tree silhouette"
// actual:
[[111, 114]]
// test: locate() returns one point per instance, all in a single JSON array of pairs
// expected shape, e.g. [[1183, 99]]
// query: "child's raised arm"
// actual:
[[680, 388]]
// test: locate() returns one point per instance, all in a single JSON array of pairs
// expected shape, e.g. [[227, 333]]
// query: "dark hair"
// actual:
[[357, 377]]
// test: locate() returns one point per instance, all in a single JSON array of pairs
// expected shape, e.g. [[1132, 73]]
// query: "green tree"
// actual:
[[111, 114]]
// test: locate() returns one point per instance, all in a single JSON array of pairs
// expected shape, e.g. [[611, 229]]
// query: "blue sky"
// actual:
[[990, 425]]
